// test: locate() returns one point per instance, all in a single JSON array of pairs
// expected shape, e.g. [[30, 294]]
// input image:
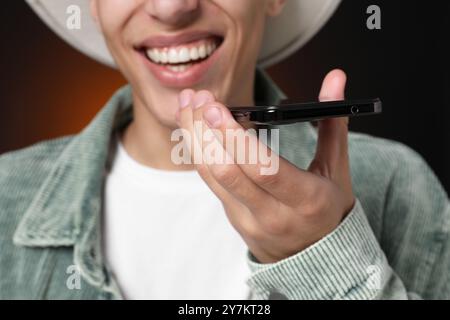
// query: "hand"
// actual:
[[281, 214]]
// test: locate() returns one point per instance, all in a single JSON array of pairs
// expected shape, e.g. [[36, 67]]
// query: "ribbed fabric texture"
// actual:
[[393, 245], [342, 265]]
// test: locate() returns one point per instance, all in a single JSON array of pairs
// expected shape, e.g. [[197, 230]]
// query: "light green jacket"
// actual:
[[393, 245]]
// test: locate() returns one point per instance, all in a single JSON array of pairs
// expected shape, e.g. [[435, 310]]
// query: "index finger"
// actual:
[[282, 179]]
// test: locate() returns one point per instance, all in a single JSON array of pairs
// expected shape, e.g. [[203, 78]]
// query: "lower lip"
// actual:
[[188, 78]]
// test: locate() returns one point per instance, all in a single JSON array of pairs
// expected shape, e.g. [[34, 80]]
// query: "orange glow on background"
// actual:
[[48, 89]]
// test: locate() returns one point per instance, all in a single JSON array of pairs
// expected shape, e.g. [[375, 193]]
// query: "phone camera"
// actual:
[[354, 110]]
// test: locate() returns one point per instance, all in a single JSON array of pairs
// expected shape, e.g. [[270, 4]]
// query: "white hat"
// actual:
[[285, 34]]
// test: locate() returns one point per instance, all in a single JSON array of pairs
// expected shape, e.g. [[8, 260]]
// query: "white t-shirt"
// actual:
[[167, 236]]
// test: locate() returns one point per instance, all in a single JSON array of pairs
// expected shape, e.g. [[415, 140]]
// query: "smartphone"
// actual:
[[288, 113]]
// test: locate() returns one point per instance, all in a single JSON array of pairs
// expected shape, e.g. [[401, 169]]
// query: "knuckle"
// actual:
[[318, 201], [275, 224], [251, 230], [203, 171], [226, 175], [276, 228], [309, 209], [267, 180]]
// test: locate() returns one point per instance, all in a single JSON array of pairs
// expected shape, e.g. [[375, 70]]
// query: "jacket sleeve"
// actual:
[[349, 263]]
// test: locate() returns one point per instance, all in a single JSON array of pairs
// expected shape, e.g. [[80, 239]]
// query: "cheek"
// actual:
[[242, 9], [113, 14], [247, 20]]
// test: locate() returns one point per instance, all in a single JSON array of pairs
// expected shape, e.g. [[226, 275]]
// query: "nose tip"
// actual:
[[172, 11]]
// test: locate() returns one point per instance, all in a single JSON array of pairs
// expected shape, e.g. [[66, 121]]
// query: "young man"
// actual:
[[110, 214]]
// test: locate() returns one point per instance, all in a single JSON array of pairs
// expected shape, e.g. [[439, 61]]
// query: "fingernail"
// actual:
[[213, 117], [201, 98], [185, 98]]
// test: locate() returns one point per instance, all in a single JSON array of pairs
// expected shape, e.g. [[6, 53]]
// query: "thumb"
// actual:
[[333, 86], [331, 157]]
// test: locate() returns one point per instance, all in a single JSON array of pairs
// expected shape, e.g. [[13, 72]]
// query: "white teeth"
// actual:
[[173, 68], [164, 58], [179, 68], [202, 51], [153, 55], [173, 56], [194, 54], [181, 54], [209, 49]]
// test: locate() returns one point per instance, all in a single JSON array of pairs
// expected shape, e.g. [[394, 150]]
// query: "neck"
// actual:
[[148, 141]]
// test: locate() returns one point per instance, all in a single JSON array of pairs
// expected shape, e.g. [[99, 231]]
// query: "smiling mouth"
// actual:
[[181, 57]]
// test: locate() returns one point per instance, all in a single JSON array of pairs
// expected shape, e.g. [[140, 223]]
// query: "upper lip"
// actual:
[[162, 41]]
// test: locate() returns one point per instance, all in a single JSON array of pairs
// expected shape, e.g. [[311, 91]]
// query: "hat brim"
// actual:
[[284, 34]]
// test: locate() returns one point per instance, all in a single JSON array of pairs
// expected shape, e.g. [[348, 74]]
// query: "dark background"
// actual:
[[47, 89]]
